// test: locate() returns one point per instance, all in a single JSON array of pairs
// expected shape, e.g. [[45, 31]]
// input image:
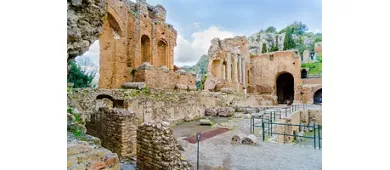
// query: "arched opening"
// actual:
[[224, 70], [216, 71], [145, 49], [285, 88], [317, 98], [102, 96], [303, 73], [249, 79], [161, 54]]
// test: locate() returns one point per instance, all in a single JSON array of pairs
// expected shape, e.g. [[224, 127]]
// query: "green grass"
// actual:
[[314, 68]]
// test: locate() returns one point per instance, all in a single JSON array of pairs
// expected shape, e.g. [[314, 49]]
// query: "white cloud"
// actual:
[[188, 52], [196, 24], [93, 53]]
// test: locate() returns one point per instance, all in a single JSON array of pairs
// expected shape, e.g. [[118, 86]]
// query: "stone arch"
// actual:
[[162, 50], [145, 49], [102, 96], [317, 96], [115, 21], [303, 73], [284, 87]]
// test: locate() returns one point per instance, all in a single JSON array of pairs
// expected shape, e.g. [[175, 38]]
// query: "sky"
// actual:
[[199, 21]]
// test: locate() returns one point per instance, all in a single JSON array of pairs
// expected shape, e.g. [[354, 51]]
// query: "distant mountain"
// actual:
[[200, 67], [274, 40]]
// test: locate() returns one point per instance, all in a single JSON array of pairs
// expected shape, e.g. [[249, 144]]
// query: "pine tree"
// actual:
[[78, 77]]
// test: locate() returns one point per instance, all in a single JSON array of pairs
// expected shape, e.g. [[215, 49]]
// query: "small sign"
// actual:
[[198, 136]]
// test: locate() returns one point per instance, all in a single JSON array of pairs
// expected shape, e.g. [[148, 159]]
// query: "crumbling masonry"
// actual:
[[134, 33]]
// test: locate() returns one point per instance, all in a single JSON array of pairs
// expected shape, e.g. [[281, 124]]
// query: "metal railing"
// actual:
[[268, 122]]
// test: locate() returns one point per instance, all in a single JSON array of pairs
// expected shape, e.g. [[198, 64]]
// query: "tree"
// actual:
[[300, 27], [264, 48], [295, 28], [288, 41], [79, 77], [276, 46], [270, 29]]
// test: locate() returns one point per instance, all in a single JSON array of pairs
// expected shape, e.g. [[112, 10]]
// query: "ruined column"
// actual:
[[243, 78], [240, 69], [229, 68], [235, 68]]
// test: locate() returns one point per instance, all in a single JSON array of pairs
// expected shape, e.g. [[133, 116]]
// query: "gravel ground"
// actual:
[[219, 152]]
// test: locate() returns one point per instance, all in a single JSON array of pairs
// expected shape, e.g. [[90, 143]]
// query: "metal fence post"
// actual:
[[319, 136], [314, 127], [262, 127], [250, 124], [253, 123], [274, 115], [198, 139], [271, 126]]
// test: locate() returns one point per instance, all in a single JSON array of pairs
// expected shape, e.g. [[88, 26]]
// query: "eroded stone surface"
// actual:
[[158, 148], [85, 21]]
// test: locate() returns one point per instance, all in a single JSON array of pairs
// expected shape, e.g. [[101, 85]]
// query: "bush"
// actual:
[[78, 77]]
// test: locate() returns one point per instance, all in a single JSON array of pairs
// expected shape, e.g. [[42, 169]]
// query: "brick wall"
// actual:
[[117, 130]]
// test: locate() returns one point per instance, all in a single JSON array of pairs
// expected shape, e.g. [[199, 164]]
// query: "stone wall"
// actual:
[[300, 116], [306, 93], [307, 116], [84, 23], [164, 79], [133, 33], [89, 155], [161, 105], [267, 67], [312, 81], [292, 119], [117, 130], [157, 148]]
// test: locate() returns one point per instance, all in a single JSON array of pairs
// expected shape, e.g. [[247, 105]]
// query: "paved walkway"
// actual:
[[219, 152]]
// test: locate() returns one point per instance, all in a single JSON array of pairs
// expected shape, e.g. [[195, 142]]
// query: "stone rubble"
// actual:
[[157, 148]]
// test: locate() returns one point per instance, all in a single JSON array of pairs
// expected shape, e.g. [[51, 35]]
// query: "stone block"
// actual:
[[134, 85], [145, 66]]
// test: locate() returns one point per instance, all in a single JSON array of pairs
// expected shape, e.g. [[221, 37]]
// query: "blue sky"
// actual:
[[199, 21]]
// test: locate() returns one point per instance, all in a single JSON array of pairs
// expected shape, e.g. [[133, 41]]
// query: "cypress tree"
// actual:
[[264, 48]]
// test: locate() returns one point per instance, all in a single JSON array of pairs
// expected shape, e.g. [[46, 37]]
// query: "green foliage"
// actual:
[[78, 77], [314, 68], [202, 81], [295, 28], [289, 42], [270, 29], [318, 38], [264, 48], [276, 46]]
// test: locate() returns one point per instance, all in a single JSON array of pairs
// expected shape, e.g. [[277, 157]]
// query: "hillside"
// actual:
[[275, 40], [200, 67]]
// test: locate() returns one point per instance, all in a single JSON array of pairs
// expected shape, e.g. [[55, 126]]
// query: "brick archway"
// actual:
[[146, 49], [162, 55]]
